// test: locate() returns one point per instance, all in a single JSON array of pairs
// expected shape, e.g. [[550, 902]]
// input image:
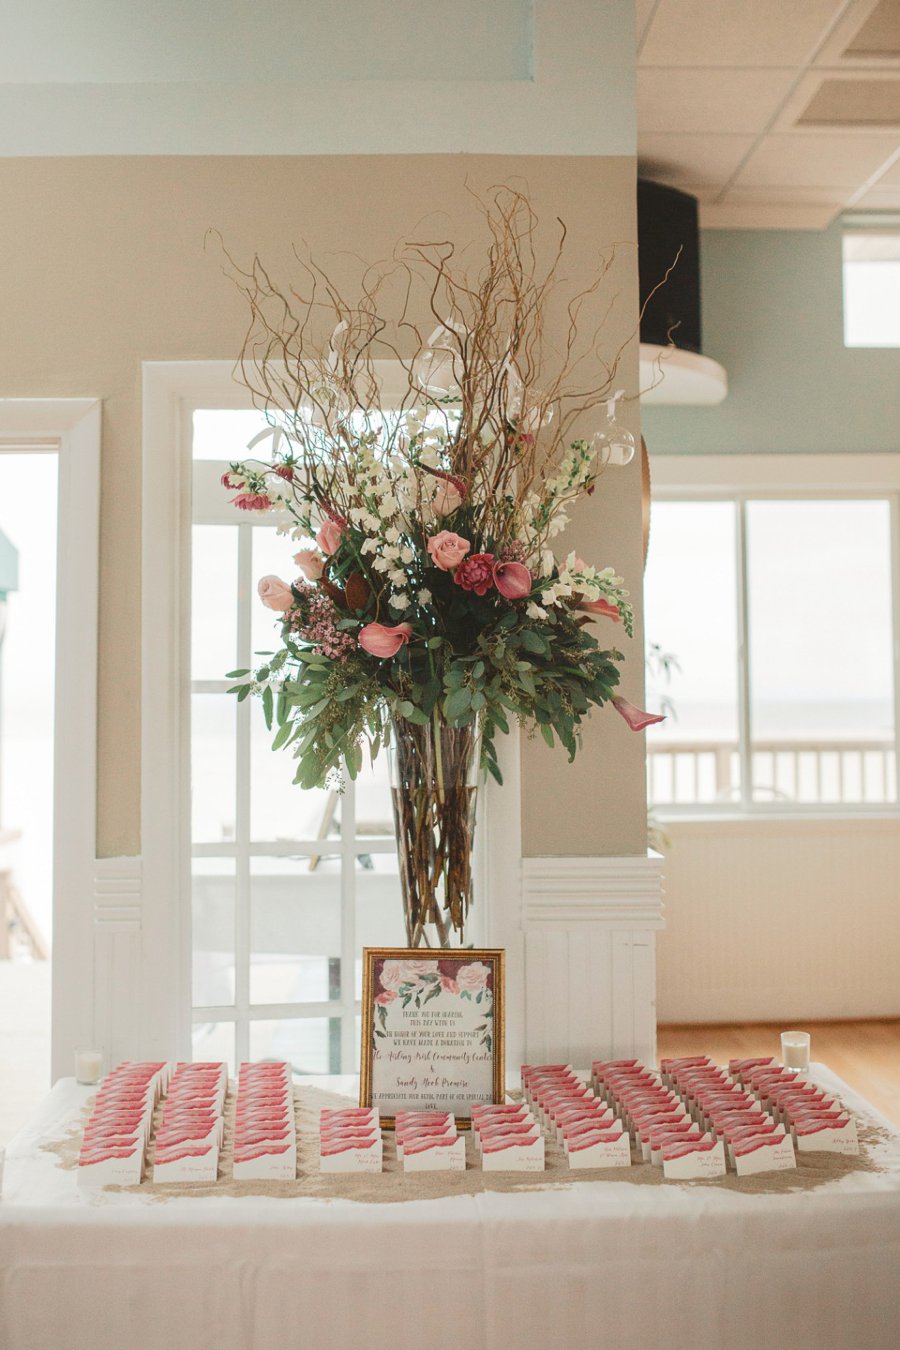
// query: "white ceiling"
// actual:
[[773, 113]]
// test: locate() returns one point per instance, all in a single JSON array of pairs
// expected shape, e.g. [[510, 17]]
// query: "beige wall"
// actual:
[[104, 267]]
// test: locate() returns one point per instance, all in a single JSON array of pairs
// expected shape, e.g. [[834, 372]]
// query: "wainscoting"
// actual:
[[780, 920], [590, 957]]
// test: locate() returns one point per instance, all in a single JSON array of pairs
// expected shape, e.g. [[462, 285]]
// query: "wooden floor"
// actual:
[[865, 1054]]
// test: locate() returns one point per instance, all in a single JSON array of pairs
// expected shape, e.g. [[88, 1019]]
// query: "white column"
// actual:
[[590, 929]]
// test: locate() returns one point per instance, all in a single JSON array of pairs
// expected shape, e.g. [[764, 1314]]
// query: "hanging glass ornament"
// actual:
[[614, 445]]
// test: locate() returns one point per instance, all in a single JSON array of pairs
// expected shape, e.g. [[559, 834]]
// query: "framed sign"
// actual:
[[432, 1030]]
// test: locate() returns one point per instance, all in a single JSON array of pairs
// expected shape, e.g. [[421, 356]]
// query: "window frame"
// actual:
[[773, 477]]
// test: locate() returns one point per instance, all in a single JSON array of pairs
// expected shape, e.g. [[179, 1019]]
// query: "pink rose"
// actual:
[[384, 999], [447, 550], [635, 717], [382, 640], [476, 573], [275, 594], [472, 979], [391, 978], [251, 501], [600, 607], [310, 562], [329, 537], [447, 499], [512, 579], [448, 985]]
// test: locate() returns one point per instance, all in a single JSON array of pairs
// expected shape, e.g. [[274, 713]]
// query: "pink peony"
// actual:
[[329, 536], [284, 471], [275, 594], [251, 501], [600, 607], [635, 717], [231, 482], [447, 550], [476, 573], [384, 999], [380, 639], [412, 971], [473, 978], [512, 579], [310, 562]]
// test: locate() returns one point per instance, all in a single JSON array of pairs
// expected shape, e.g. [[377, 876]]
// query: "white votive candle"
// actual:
[[795, 1050], [88, 1066]]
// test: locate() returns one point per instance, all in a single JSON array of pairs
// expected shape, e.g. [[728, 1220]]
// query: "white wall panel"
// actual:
[[781, 920]]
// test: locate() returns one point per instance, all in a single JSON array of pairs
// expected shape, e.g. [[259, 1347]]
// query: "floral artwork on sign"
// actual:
[[432, 1030]]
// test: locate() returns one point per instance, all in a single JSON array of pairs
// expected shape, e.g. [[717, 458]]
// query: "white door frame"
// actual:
[[165, 1019], [71, 427]]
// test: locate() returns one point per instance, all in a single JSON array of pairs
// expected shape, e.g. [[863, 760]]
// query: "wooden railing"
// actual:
[[811, 772]]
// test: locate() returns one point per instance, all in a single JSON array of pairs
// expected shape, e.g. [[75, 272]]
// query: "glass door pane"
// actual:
[[691, 623]]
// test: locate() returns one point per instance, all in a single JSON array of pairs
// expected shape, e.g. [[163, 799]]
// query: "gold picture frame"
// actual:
[[440, 1015]]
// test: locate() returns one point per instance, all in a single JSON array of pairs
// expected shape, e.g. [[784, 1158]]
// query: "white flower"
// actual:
[[358, 514], [548, 562], [391, 552], [371, 522], [381, 565], [424, 596], [369, 546], [399, 601], [407, 555], [391, 534], [397, 576], [534, 611]]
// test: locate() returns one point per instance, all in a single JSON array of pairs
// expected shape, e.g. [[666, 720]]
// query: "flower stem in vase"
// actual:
[[433, 789]]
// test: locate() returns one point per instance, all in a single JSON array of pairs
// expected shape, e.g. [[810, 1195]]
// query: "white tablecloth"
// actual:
[[601, 1264]]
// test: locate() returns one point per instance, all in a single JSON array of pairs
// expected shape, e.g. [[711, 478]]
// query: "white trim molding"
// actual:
[[117, 958], [590, 929], [71, 428]]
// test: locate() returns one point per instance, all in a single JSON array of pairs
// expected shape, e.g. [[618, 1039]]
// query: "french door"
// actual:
[[286, 885]]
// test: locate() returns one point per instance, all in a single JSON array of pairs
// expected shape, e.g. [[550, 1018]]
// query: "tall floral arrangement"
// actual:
[[432, 602]]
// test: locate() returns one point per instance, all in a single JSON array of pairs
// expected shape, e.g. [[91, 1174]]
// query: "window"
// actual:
[[778, 614], [287, 886], [872, 287]]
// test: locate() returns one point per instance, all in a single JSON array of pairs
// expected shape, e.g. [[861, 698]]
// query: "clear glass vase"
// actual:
[[434, 788]]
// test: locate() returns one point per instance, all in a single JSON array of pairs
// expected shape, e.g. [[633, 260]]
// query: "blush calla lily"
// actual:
[[383, 640], [603, 607], [636, 718], [512, 579]]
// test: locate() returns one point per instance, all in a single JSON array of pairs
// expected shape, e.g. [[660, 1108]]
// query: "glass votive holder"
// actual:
[[88, 1067], [795, 1050]]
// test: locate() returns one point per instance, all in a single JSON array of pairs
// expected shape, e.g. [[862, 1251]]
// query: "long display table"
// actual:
[[596, 1263]]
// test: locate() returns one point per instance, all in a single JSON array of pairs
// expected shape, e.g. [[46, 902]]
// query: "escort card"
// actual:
[[687, 1160], [772, 1152], [435, 1153], [603, 1148], [513, 1153]]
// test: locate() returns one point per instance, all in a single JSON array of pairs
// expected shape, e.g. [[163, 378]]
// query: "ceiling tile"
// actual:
[[854, 102], [816, 159], [679, 99], [684, 159], [721, 216], [726, 33], [880, 199], [880, 34], [786, 196], [891, 176]]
